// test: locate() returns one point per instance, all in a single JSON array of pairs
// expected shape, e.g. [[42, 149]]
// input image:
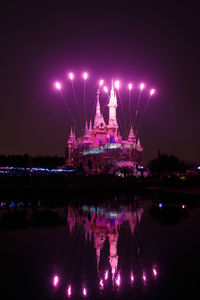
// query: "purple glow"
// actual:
[[105, 89], [84, 292], [152, 91], [71, 76], [58, 85], [160, 205], [130, 86], [155, 273], [144, 277], [132, 277], [85, 75], [69, 291], [55, 281], [106, 275], [142, 86], [118, 280], [101, 82], [117, 84], [101, 284]]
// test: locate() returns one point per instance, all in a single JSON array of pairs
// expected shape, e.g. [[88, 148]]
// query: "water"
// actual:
[[127, 248]]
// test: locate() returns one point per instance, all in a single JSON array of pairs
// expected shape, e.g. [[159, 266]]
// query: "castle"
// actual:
[[102, 146]]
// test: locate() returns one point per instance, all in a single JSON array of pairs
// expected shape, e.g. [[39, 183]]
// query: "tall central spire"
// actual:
[[112, 109], [98, 110]]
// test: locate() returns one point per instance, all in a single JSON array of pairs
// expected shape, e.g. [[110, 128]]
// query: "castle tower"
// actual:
[[86, 134], [131, 137], [112, 105], [139, 147], [98, 119]]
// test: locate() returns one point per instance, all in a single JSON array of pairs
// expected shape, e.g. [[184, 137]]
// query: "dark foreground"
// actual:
[[127, 247]]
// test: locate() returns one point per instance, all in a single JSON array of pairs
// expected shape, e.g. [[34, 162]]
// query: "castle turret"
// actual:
[[98, 119], [139, 147], [131, 137], [112, 122], [86, 133]]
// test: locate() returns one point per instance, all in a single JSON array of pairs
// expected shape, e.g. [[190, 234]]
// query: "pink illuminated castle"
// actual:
[[102, 145]]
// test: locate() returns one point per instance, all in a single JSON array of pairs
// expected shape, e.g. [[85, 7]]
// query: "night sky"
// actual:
[[152, 41]]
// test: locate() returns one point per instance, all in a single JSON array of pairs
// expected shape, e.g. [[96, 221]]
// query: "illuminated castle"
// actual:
[[102, 145]]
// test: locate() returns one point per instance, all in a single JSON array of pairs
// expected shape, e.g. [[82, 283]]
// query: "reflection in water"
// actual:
[[101, 224]]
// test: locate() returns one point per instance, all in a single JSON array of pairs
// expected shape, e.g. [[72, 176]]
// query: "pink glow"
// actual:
[[142, 86], [84, 292], [85, 75], [118, 280], [58, 85], [69, 291], [106, 275], [101, 284], [71, 76], [55, 280], [144, 277], [130, 86], [101, 82], [132, 277], [155, 273], [152, 91], [117, 84], [105, 89]]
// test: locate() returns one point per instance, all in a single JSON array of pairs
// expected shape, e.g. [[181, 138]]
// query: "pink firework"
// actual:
[[130, 86], [132, 277], [85, 75], [155, 273], [152, 91], [84, 292], [105, 89], [69, 291], [58, 85], [106, 275], [142, 86], [71, 76], [101, 284], [117, 84], [144, 277], [101, 82], [55, 281], [118, 280]]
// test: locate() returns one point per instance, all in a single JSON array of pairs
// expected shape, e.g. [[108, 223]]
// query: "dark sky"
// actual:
[[152, 41]]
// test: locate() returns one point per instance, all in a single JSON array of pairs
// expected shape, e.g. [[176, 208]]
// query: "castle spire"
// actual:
[[86, 130], [139, 147], [90, 126], [131, 137], [71, 136], [112, 111], [98, 110]]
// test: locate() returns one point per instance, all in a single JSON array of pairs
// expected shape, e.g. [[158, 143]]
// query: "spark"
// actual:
[[106, 275], [152, 91], [144, 277], [118, 280], [130, 86], [101, 82], [69, 291], [160, 205], [84, 292], [101, 284], [142, 86], [117, 84], [85, 75], [71, 76], [58, 85], [105, 89], [55, 280], [132, 277], [183, 206], [155, 273]]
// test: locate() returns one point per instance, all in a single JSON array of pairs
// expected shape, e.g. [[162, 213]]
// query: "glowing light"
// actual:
[[160, 205], [55, 281], [71, 76], [152, 91], [144, 277], [183, 206], [58, 85], [101, 284], [85, 75], [132, 277], [118, 280], [117, 84], [84, 292], [130, 86], [105, 89], [101, 82], [69, 291], [142, 86], [106, 275], [155, 273]]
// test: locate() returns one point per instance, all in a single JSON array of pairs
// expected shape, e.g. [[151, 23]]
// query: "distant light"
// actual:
[[55, 281], [71, 76], [160, 205], [132, 277], [106, 275], [58, 85], [117, 84], [198, 167], [84, 292], [118, 280], [101, 82], [101, 284], [85, 75], [155, 273], [144, 277], [152, 91], [142, 86], [69, 291], [183, 206], [105, 89], [130, 86]]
